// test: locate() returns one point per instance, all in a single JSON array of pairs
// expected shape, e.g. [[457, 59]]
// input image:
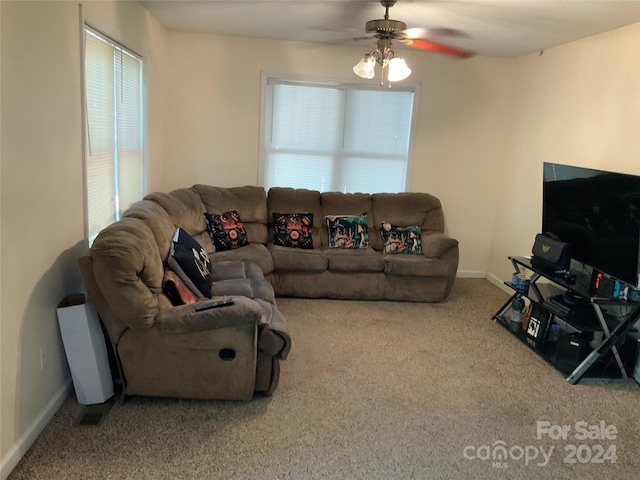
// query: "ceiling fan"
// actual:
[[386, 29]]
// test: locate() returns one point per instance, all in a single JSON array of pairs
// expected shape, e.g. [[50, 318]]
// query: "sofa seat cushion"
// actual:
[[236, 286], [253, 253], [363, 260], [415, 266], [243, 279], [297, 259], [228, 270], [254, 289]]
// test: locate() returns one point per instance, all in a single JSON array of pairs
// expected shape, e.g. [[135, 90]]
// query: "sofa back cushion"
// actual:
[[156, 218], [249, 201], [296, 200], [405, 210], [186, 210]]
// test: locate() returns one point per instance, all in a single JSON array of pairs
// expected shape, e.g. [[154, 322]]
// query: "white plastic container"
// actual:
[[84, 344]]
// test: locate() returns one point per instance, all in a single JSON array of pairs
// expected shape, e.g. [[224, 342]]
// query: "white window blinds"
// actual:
[[336, 137], [113, 90]]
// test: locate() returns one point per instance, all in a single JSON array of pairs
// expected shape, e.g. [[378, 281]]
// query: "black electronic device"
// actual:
[[572, 307], [581, 311], [557, 307], [572, 299], [604, 287], [598, 214], [213, 304], [571, 350]]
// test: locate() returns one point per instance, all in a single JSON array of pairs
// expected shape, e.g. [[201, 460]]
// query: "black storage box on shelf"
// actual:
[[571, 351], [537, 327], [550, 254]]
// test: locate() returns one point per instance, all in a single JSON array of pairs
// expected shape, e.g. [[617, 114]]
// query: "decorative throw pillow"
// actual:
[[348, 231], [293, 230], [226, 230], [191, 263], [401, 239]]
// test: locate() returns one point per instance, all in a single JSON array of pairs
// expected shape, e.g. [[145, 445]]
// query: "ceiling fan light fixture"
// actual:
[[386, 30], [398, 69], [366, 67]]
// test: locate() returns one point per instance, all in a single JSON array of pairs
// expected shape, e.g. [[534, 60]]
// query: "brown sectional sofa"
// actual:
[[168, 350], [326, 272]]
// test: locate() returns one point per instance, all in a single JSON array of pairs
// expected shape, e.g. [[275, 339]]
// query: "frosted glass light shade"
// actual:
[[398, 70], [366, 67]]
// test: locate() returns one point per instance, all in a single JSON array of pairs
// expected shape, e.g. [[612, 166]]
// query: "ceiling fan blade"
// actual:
[[363, 37], [434, 47], [419, 32]]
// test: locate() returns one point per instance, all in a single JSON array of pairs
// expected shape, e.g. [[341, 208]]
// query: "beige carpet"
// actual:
[[371, 390]]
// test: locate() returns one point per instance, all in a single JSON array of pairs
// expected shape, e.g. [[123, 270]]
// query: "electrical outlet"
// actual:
[[44, 357]]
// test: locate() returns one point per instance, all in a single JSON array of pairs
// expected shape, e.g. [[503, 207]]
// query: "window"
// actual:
[[113, 120], [336, 137]]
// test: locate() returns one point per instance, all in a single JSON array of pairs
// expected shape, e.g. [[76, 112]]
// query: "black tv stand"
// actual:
[[575, 332]]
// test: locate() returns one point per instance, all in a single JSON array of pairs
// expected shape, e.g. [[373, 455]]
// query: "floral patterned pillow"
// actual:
[[226, 230], [293, 230], [397, 239], [348, 231]]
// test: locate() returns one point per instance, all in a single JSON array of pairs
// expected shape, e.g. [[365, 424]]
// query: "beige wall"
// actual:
[[42, 192], [577, 104], [213, 121], [484, 128]]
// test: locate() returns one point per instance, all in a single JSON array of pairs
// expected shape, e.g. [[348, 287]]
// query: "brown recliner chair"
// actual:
[[175, 351]]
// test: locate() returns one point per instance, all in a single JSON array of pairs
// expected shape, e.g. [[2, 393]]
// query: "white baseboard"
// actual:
[[11, 459], [470, 274], [499, 283], [489, 276]]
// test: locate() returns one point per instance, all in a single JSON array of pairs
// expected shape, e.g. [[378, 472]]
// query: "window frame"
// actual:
[[142, 133], [266, 107]]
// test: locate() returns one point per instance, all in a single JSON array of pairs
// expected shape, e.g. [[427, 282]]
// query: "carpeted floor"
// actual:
[[371, 390]]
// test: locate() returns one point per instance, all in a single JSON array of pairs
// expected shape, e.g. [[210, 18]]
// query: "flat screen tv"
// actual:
[[598, 213]]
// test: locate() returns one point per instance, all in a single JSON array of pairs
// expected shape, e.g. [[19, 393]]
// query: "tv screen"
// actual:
[[598, 213]]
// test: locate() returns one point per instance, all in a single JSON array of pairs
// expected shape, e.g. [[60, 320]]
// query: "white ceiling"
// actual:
[[495, 28]]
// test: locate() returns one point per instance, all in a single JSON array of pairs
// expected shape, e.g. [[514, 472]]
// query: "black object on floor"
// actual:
[[93, 415]]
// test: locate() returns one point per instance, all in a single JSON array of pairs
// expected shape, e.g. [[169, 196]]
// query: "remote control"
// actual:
[[215, 304]]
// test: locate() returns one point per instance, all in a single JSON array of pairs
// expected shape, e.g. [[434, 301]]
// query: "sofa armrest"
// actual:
[[435, 244], [185, 319]]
